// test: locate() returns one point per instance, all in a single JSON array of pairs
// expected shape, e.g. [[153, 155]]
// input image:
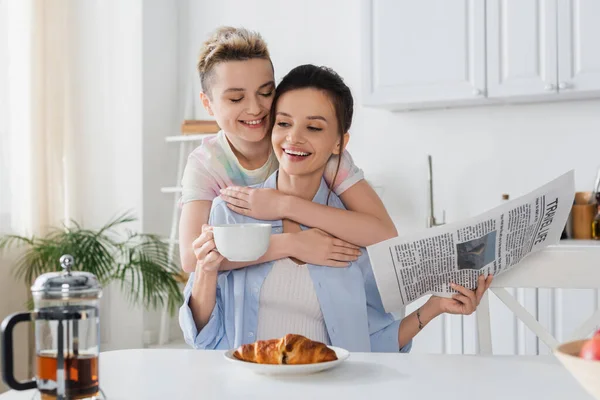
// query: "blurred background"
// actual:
[[505, 95]]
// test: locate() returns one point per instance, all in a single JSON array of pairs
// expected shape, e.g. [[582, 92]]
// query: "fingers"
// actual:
[[346, 251], [488, 281], [466, 292], [230, 200], [467, 307], [204, 246], [483, 284], [239, 210], [239, 192], [329, 262], [203, 251], [204, 237], [463, 290], [212, 261], [343, 257], [465, 300], [341, 243], [481, 287]]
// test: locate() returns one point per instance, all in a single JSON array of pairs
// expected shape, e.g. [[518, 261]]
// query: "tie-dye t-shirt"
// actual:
[[213, 166]]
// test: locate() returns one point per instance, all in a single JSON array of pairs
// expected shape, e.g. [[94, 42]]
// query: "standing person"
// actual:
[[238, 86]]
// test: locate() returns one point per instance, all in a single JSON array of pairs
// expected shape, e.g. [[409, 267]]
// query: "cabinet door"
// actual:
[[423, 51], [521, 47], [578, 45]]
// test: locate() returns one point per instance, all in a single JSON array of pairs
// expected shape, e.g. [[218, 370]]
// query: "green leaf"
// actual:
[[139, 262]]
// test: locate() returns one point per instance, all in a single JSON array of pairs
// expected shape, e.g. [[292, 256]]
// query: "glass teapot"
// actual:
[[67, 328]]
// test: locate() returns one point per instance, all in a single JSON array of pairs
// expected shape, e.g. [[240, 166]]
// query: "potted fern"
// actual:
[[139, 262]]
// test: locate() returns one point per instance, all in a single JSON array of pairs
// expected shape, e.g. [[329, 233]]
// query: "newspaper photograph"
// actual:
[[409, 267]]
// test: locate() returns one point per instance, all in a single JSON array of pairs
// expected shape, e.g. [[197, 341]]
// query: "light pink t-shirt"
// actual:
[[213, 166]]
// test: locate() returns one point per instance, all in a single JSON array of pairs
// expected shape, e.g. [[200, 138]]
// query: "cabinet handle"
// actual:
[[564, 85], [550, 87]]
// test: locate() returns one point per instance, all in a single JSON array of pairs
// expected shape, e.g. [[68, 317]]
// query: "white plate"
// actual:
[[270, 369]]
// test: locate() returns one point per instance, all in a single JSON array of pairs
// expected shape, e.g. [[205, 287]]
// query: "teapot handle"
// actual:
[[8, 363]]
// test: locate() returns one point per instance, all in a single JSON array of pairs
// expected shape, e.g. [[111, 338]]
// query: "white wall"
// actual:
[[108, 72], [125, 75], [161, 113], [131, 103], [161, 117], [4, 143], [13, 293], [478, 153]]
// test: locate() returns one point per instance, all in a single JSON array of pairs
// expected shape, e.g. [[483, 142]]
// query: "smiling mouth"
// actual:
[[296, 153], [253, 122]]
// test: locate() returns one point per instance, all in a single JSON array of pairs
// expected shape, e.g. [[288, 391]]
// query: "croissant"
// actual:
[[291, 349]]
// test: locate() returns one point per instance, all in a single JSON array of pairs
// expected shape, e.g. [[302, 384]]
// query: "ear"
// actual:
[[206, 103], [339, 147]]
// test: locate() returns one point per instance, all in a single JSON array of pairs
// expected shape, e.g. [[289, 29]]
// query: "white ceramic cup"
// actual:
[[242, 242]]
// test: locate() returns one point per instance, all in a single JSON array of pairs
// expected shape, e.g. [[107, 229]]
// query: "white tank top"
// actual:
[[288, 303]]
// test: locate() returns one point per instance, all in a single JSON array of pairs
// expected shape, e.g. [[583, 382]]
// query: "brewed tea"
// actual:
[[81, 375]]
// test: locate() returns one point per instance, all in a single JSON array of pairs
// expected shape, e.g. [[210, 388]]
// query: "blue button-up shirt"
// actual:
[[350, 302]]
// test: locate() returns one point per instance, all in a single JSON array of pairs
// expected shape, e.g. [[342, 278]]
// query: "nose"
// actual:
[[294, 134], [253, 106]]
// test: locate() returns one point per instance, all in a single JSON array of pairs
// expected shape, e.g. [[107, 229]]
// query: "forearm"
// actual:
[[186, 251], [193, 215], [358, 228], [409, 326], [280, 246], [204, 296]]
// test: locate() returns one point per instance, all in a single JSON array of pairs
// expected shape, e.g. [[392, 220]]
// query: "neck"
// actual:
[[303, 186], [251, 155]]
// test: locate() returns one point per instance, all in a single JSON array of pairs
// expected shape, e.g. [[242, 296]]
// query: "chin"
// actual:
[[252, 135]]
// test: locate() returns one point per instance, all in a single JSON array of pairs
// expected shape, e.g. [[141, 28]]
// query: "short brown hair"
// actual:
[[229, 44]]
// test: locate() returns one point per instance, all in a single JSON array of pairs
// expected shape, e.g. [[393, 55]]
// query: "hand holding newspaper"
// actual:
[[407, 268]]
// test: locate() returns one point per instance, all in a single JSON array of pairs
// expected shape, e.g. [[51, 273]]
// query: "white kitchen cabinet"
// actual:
[[423, 51], [521, 48], [437, 53], [578, 46]]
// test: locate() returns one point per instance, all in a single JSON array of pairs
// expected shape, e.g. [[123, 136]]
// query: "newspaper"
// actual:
[[407, 268]]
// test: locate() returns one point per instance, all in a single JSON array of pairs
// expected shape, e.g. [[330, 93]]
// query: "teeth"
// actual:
[[296, 153], [255, 122]]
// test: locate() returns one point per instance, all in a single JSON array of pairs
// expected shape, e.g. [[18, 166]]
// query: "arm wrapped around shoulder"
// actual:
[[291, 349]]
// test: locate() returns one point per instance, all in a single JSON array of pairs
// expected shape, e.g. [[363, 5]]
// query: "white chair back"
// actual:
[[569, 267]]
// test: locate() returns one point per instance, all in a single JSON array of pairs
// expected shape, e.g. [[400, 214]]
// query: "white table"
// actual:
[[195, 374]]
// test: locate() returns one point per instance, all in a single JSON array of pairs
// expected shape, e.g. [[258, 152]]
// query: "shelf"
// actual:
[[199, 126], [188, 138], [171, 189]]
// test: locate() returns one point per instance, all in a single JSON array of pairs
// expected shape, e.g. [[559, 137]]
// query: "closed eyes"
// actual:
[[269, 94]]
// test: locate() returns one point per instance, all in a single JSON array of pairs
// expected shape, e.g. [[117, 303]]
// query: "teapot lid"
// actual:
[[66, 284]]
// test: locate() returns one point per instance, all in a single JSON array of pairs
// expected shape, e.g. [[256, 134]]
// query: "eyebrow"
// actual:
[[264, 85], [309, 117]]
